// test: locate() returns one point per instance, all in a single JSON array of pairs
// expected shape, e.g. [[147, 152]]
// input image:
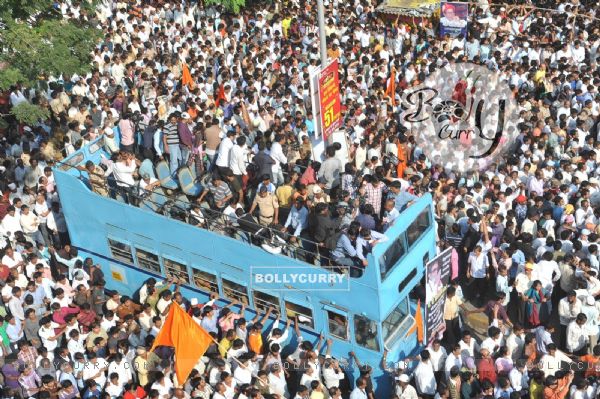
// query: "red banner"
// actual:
[[329, 99]]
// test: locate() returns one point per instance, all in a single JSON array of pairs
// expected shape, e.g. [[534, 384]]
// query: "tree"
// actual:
[[37, 41], [230, 5]]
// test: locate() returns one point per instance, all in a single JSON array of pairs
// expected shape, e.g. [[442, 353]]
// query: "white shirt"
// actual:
[[278, 385], [224, 151], [15, 305], [517, 379], [409, 392], [550, 364], [164, 391], [237, 160], [29, 223], [242, 375], [358, 393], [278, 156], [438, 358], [543, 271], [11, 224], [47, 333], [93, 368], [123, 369], [425, 378], [331, 378], [478, 265], [123, 173], [515, 345], [12, 262], [452, 361], [577, 336], [567, 312]]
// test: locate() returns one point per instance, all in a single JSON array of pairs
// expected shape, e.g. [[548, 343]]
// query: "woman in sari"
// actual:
[[535, 299]]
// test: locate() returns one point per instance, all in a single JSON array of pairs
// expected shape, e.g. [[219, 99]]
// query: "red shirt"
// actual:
[[139, 394], [59, 315], [486, 370]]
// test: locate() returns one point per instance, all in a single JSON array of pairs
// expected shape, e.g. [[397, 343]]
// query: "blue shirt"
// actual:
[[344, 248], [403, 198], [297, 219]]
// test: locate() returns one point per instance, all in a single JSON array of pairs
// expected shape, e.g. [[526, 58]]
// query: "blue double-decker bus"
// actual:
[[132, 243]]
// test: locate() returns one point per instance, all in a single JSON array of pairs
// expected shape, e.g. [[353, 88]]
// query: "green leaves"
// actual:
[[36, 40], [11, 10], [231, 5], [53, 47], [29, 113]]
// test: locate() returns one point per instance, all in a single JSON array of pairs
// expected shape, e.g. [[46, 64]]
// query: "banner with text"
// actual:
[[454, 19], [330, 103], [437, 277]]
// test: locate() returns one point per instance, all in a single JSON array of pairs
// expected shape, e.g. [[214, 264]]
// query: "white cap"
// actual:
[[591, 300], [585, 232], [316, 190], [185, 115], [403, 378], [194, 301], [12, 186]]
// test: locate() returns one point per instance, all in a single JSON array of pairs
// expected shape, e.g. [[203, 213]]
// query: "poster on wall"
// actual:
[[437, 277], [454, 19]]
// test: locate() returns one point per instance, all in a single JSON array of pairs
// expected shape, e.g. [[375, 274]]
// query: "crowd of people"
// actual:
[[526, 228]]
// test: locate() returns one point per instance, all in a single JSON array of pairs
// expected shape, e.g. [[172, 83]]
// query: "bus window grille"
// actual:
[[120, 251], [178, 270], [264, 303], [205, 281], [235, 292], [338, 325], [305, 316], [148, 260]]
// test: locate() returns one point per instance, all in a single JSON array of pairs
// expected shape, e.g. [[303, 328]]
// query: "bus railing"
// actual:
[[179, 207]]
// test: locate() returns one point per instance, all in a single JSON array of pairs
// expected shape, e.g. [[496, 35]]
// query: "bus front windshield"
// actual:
[[397, 323]]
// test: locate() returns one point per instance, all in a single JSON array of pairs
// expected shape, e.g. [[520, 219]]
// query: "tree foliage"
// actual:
[[231, 5], [36, 40], [29, 114]]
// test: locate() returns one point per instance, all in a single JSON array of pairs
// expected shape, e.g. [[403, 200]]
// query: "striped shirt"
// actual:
[[171, 134]]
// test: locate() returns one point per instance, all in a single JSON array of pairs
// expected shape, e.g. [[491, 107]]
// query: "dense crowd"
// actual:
[[526, 228]]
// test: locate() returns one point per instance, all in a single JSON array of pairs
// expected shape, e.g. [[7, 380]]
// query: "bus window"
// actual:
[[176, 269], [235, 291], [396, 324], [147, 260], [418, 227], [305, 315], [391, 256], [264, 301], [97, 145], [338, 325], [205, 281], [120, 251], [365, 332]]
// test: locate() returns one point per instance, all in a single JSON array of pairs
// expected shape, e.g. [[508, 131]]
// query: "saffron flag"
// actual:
[[186, 77], [391, 87], [190, 340], [418, 326]]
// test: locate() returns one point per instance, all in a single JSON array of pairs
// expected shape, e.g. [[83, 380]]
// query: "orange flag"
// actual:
[[391, 88], [189, 340], [418, 326], [186, 77]]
